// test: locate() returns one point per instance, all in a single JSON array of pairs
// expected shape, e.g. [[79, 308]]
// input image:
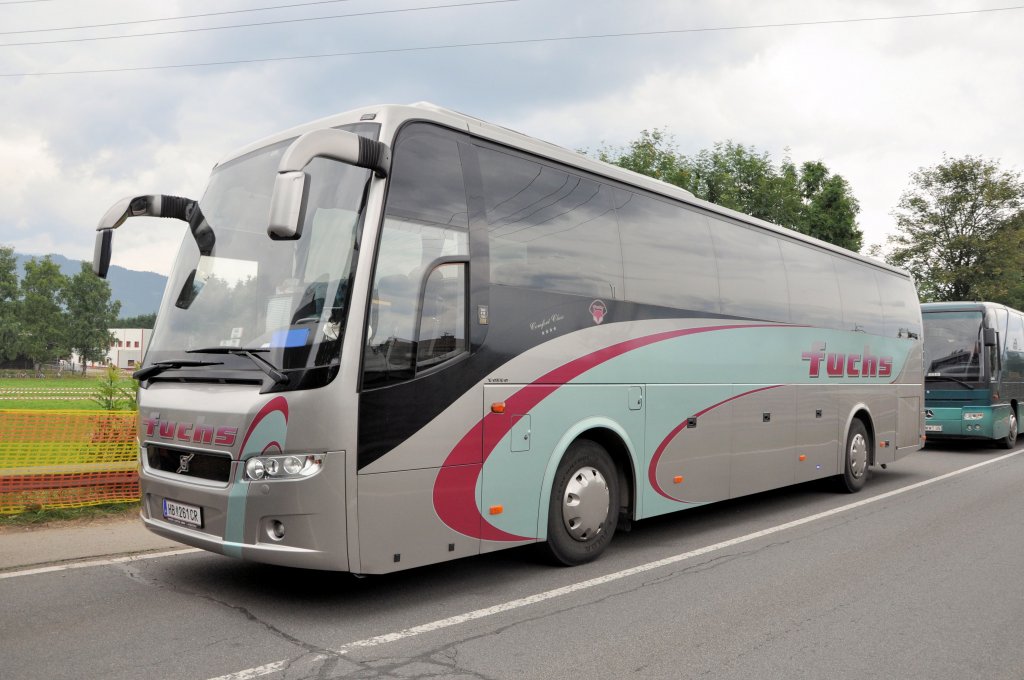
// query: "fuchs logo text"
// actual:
[[839, 365], [190, 432]]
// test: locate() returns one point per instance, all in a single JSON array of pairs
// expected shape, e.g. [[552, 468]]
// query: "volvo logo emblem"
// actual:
[[928, 413], [183, 462]]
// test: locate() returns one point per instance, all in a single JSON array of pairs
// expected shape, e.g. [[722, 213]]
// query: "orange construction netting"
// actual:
[[67, 459]]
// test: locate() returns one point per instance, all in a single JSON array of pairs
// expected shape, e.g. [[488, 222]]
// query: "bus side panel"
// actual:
[[817, 432], [687, 461], [398, 525], [763, 439], [523, 446]]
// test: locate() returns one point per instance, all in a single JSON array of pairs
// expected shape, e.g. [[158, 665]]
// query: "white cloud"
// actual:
[[874, 101]]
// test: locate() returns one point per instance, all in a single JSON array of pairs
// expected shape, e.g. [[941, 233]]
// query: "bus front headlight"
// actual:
[[974, 416], [283, 467]]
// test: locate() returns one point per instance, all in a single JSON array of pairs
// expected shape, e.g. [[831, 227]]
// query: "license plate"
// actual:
[[182, 513], [933, 428]]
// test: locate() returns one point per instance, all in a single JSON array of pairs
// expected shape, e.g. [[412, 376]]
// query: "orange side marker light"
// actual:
[[678, 479], [498, 407], [802, 457], [497, 509]]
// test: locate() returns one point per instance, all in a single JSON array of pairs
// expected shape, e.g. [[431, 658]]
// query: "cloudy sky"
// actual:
[[874, 89]]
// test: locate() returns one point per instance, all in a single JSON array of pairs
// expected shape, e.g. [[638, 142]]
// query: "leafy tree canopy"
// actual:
[[10, 333], [809, 198], [48, 315], [140, 321], [960, 231], [89, 313]]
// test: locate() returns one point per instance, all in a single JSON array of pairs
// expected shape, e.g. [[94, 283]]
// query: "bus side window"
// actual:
[[751, 275], [901, 307], [425, 218], [813, 289], [549, 229], [862, 306], [1015, 348]]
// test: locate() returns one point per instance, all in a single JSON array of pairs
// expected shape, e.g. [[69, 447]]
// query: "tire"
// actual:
[[1010, 440], [584, 507], [856, 456]]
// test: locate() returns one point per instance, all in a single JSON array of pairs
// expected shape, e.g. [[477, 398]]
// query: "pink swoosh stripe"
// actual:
[[455, 485], [652, 468], [275, 404]]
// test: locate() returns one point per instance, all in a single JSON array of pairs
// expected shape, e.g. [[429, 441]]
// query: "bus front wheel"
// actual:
[[855, 458], [584, 508], [1010, 439]]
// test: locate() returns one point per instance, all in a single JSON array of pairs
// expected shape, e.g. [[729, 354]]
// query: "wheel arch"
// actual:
[[617, 442]]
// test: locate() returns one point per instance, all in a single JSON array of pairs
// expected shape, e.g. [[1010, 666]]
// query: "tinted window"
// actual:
[[1014, 364], [426, 178], [813, 287], [424, 220], [901, 309], [667, 254], [751, 276], [862, 306], [952, 344], [549, 229]]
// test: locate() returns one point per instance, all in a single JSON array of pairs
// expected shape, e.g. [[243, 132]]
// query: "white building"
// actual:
[[126, 351]]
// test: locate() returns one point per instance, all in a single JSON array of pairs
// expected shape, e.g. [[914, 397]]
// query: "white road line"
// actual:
[[96, 563], [440, 624]]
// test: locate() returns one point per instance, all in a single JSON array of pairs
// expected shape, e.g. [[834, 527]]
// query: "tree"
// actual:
[[114, 394], [89, 315], [810, 200], [10, 337], [140, 321], [40, 315], [829, 209], [960, 227]]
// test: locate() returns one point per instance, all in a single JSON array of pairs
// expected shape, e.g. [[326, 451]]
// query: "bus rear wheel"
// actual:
[[584, 509], [1010, 440], [855, 458]]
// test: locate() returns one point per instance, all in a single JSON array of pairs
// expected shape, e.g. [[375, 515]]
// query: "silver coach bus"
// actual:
[[402, 335]]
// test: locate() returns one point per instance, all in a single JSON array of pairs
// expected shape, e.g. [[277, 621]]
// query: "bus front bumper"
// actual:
[[268, 522], [972, 422]]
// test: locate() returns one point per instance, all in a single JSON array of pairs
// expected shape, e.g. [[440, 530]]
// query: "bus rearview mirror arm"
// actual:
[[176, 207], [291, 186]]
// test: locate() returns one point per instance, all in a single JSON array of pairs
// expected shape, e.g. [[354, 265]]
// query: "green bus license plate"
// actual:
[[182, 513]]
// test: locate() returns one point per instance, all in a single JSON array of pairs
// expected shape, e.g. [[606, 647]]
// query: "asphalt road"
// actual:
[[924, 581]]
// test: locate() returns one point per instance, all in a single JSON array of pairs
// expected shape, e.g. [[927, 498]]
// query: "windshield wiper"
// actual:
[[276, 375], [951, 378], [161, 366]]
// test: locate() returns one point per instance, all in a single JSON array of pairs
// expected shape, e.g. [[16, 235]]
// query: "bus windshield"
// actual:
[[285, 299], [953, 345]]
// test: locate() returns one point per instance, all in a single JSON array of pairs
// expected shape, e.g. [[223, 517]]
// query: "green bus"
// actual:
[[974, 371]]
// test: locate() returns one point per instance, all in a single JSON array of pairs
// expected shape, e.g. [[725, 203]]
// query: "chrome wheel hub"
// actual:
[[585, 504], [858, 455]]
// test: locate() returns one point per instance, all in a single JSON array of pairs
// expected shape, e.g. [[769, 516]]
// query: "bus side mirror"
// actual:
[[101, 252], [288, 205], [291, 186], [990, 337], [156, 205]]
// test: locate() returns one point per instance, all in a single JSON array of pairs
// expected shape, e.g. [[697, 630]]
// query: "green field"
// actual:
[[65, 393]]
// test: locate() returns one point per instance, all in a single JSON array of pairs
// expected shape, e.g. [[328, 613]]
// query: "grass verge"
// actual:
[[41, 517]]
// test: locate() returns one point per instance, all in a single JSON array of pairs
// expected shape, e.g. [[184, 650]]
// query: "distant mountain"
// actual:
[[139, 292]]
